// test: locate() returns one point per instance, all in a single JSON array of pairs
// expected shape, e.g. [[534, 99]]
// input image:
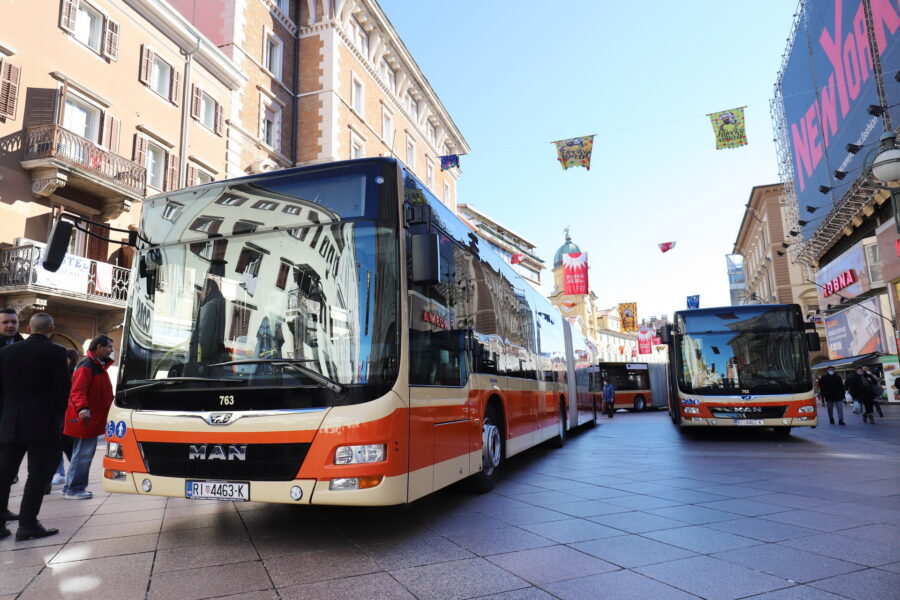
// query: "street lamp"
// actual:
[[881, 168], [886, 165]]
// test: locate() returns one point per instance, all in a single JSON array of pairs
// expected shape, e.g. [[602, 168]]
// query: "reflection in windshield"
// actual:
[[767, 362], [324, 294]]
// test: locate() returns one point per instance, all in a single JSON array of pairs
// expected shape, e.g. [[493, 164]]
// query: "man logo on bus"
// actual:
[[217, 452]]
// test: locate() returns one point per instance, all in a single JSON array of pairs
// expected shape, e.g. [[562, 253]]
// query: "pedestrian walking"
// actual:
[[609, 398], [33, 384], [831, 386], [89, 402], [879, 390], [861, 388]]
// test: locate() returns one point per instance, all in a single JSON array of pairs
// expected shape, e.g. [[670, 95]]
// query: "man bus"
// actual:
[[632, 383], [329, 334], [741, 366]]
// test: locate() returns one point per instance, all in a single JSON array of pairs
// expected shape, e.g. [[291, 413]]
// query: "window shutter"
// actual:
[[195, 102], [220, 119], [98, 249], [9, 89], [111, 126], [140, 150], [67, 15], [171, 172], [146, 65], [175, 89], [111, 39], [191, 176]]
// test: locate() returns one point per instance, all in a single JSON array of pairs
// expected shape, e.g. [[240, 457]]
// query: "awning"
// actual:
[[849, 361]]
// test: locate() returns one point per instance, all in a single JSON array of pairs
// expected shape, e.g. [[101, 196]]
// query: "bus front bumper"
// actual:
[[390, 491], [688, 421]]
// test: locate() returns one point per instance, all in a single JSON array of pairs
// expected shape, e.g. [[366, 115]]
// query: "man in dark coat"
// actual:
[[9, 334], [34, 391], [831, 386]]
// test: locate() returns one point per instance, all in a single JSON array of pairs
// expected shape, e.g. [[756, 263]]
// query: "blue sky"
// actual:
[[642, 76]]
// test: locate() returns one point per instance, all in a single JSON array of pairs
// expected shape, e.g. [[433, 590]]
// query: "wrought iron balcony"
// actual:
[[83, 164], [78, 277]]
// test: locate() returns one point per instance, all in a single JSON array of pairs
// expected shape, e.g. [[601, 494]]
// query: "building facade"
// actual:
[[105, 102], [515, 249], [764, 240], [98, 113]]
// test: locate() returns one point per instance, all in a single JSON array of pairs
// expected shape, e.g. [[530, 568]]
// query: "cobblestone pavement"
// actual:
[[628, 510]]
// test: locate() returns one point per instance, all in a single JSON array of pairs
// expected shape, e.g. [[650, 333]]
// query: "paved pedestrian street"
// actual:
[[627, 510]]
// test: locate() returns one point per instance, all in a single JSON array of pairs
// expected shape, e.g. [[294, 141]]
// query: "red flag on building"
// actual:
[[666, 246], [645, 341], [517, 258], [575, 273]]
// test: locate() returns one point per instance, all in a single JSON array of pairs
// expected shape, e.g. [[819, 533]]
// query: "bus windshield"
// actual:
[[216, 314], [749, 362]]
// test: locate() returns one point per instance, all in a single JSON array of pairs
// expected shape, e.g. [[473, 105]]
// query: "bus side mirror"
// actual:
[[665, 334], [57, 245], [812, 340], [426, 258]]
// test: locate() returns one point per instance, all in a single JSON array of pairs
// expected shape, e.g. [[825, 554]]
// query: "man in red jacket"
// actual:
[[89, 402]]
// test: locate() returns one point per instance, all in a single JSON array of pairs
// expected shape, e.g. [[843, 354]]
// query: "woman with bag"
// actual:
[[861, 388]]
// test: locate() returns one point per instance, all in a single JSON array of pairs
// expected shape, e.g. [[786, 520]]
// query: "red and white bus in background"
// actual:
[[631, 380], [745, 366], [330, 334]]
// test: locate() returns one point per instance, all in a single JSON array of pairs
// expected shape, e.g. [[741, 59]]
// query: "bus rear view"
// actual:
[[742, 366]]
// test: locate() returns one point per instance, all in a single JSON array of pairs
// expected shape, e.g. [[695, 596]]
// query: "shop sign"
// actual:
[[435, 319], [838, 283], [847, 274]]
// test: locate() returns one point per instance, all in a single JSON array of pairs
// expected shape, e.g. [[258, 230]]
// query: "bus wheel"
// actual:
[[560, 440], [639, 403], [491, 452], [782, 432]]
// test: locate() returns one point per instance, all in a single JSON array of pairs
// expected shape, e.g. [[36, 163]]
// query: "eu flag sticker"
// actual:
[[110, 429], [121, 428]]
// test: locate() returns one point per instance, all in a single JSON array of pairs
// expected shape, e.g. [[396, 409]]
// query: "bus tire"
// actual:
[[639, 403], [782, 432], [560, 440], [491, 451]]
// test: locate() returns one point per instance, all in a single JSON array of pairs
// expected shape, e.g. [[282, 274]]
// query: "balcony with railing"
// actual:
[[57, 157], [78, 278]]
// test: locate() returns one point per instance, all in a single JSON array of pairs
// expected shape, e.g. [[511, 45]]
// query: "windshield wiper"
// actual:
[[293, 364], [174, 380]]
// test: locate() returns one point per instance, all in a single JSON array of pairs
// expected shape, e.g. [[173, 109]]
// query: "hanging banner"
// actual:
[[516, 259], [693, 302], [449, 161], [628, 316], [666, 246], [645, 340], [729, 128], [575, 152], [575, 273]]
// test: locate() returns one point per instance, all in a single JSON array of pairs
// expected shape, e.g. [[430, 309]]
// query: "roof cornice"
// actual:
[[177, 28]]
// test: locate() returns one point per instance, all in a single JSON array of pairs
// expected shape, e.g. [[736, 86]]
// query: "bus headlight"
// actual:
[[114, 450], [807, 409], [353, 455], [354, 483], [691, 410]]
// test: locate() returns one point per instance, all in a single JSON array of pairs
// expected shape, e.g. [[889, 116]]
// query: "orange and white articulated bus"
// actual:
[[330, 334], [744, 366], [631, 380]]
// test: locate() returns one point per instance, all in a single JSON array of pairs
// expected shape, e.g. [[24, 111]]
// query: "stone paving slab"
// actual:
[[713, 515]]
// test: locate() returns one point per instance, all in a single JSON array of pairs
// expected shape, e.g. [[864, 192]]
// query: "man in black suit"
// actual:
[[34, 384]]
